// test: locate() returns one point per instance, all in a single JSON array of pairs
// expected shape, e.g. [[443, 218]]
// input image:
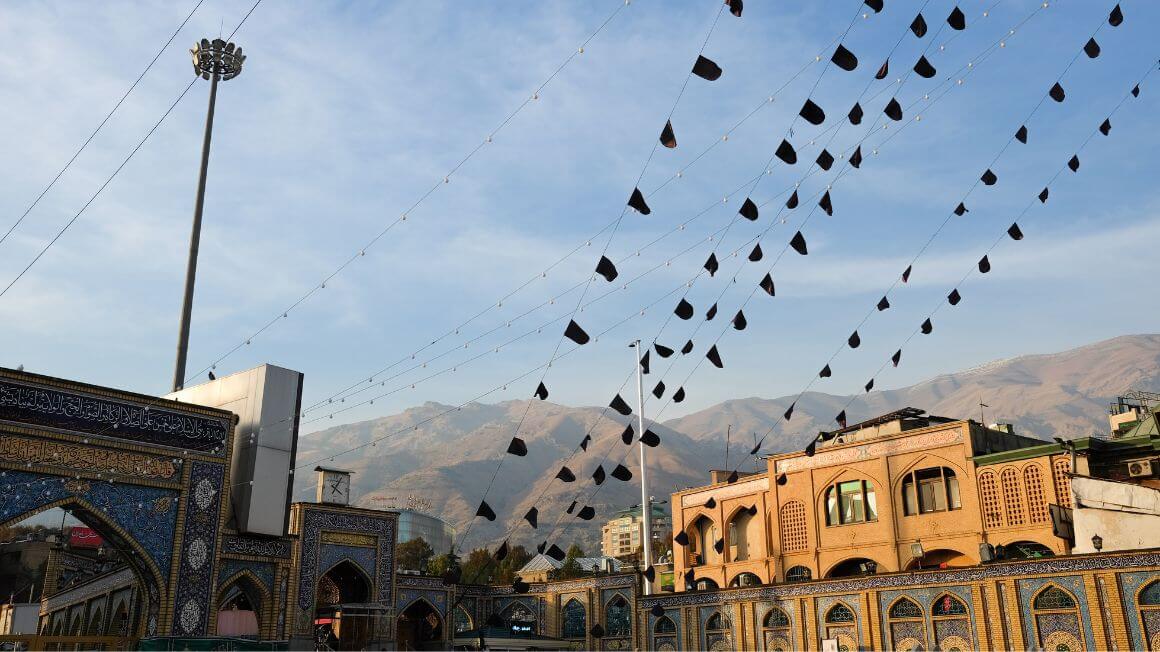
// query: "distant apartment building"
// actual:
[[621, 535]]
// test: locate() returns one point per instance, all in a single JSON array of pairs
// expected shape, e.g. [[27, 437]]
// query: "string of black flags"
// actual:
[[824, 163], [372, 378], [663, 297], [597, 475], [703, 68], [738, 323], [710, 238], [983, 266], [446, 179], [988, 178]]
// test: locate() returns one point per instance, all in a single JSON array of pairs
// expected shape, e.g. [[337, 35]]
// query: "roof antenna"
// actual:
[[982, 421], [728, 432]]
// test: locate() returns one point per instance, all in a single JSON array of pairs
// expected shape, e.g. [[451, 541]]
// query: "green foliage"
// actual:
[[439, 565], [411, 554], [571, 567]]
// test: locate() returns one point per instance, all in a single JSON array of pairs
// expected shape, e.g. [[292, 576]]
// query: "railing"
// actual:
[[19, 642]]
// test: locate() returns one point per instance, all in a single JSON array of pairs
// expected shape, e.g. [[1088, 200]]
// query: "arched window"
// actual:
[[798, 574], [989, 494], [905, 608], [948, 605], [775, 631], [738, 540], [1056, 617], [793, 526], [930, 490], [575, 619], [950, 623], [718, 632], [1036, 502], [462, 620], [839, 613], [1148, 601], [617, 618], [706, 584], [665, 625], [745, 579], [907, 628], [702, 538], [841, 624], [1013, 497], [849, 502], [1061, 469]]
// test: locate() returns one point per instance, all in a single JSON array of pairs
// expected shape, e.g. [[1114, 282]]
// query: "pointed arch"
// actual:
[[241, 589], [1148, 612], [575, 619], [839, 613], [462, 620], [906, 624], [664, 625], [841, 622], [145, 570], [346, 591], [617, 617], [1056, 616], [947, 605], [904, 607]]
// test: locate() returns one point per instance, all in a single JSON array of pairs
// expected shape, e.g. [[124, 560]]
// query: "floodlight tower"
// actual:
[[215, 61]]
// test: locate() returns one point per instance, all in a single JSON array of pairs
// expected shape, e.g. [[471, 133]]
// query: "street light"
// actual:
[[1097, 542], [213, 60]]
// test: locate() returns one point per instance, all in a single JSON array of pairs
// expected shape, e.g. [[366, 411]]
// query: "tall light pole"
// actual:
[[645, 498], [216, 61]]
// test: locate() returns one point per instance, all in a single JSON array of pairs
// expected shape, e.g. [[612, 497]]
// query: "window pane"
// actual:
[[931, 495], [831, 507], [953, 490], [909, 497], [871, 503]]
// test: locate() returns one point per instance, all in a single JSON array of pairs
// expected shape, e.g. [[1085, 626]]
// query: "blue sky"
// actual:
[[347, 113]]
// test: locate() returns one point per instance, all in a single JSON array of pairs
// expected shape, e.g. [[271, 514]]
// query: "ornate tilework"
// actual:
[[899, 580], [202, 511], [317, 520], [264, 571], [83, 412], [675, 617], [331, 554], [146, 514], [256, 547], [1028, 588], [1130, 584], [405, 597]]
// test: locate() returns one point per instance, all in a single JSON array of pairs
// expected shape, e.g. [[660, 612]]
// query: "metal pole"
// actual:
[[194, 243], [645, 498]]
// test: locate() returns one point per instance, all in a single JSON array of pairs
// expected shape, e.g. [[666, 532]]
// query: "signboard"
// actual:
[[84, 537]]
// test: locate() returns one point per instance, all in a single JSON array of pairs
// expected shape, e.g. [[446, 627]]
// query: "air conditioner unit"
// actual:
[[1139, 468]]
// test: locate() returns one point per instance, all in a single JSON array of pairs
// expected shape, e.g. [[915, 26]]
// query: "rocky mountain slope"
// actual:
[[449, 461]]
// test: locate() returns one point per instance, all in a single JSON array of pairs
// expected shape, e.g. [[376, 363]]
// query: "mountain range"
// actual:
[[450, 460]]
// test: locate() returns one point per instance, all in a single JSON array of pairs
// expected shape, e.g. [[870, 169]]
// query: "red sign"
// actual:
[[83, 537]]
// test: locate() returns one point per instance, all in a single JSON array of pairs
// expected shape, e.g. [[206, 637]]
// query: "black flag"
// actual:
[[924, 68], [984, 265], [598, 475], [954, 297], [706, 69], [825, 160], [714, 357], [628, 435], [799, 243], [485, 511], [637, 201], [812, 113], [748, 210], [856, 157], [668, 138], [565, 474], [650, 438], [576, 334], [896, 358], [883, 304], [662, 350], [542, 392], [926, 326], [855, 114], [756, 254], [767, 285], [1073, 163], [621, 473], [684, 310], [988, 178], [606, 269], [844, 58], [893, 110], [854, 341], [788, 414], [1105, 127], [1057, 93], [826, 204], [659, 390], [957, 20], [1043, 196], [1116, 17], [1021, 135], [960, 209], [918, 26], [792, 202], [711, 264], [906, 273], [532, 517], [739, 322], [1014, 232], [679, 395], [1091, 48], [620, 406], [786, 152], [825, 372], [517, 447]]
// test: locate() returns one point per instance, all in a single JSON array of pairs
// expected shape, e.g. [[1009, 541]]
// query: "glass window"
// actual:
[[839, 613], [948, 606], [930, 490], [776, 618], [798, 574], [1054, 598], [717, 622], [1150, 596], [575, 625], [619, 618], [905, 608], [851, 502], [664, 625]]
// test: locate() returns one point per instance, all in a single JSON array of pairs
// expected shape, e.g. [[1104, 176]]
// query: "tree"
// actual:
[[439, 565], [506, 570], [478, 566], [571, 567], [412, 554]]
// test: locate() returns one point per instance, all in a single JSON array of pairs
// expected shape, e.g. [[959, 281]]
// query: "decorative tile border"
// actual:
[[194, 601], [256, 547]]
